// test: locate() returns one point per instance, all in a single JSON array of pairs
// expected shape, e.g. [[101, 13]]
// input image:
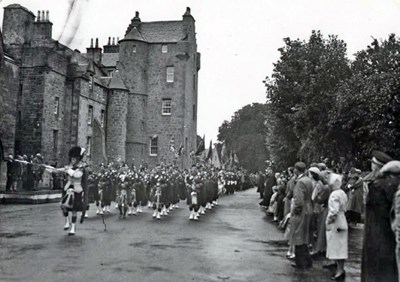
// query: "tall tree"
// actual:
[[301, 93], [244, 136], [368, 104]]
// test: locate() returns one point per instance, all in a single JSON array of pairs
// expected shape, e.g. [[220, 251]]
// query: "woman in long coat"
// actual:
[[336, 226]]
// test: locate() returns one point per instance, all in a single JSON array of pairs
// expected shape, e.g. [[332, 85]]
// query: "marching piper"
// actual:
[[75, 193]]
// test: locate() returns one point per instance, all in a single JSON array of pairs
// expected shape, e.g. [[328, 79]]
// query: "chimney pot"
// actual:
[[188, 9], [47, 16], [113, 42], [97, 43], [109, 41], [91, 43], [117, 40], [38, 16], [136, 14], [43, 16]]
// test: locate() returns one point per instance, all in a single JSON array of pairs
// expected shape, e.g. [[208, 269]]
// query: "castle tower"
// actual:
[[117, 119], [133, 65]]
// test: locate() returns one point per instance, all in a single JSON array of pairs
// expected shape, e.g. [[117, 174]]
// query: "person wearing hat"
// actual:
[[37, 170], [378, 255], [75, 193], [355, 193], [314, 174], [393, 168], [301, 214], [10, 174], [336, 227]]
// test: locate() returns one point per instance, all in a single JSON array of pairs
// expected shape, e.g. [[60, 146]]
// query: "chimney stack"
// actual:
[[38, 16], [43, 17], [113, 42], [94, 53], [47, 16]]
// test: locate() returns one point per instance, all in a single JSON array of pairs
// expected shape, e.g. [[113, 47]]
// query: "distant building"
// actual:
[[128, 101]]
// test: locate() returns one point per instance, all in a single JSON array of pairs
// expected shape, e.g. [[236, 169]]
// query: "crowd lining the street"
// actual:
[[316, 204]]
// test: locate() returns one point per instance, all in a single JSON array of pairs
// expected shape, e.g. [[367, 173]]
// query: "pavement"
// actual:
[[235, 241]]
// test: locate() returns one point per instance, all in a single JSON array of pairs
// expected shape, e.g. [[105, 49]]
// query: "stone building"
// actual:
[[134, 100]]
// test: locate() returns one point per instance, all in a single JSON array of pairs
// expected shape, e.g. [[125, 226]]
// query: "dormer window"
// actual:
[[164, 48]]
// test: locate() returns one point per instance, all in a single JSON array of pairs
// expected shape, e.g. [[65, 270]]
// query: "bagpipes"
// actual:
[[158, 196]]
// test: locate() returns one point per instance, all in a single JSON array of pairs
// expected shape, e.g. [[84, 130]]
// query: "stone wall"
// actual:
[[96, 99], [116, 121]]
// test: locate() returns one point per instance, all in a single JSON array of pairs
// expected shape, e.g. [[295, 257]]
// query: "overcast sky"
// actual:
[[238, 39]]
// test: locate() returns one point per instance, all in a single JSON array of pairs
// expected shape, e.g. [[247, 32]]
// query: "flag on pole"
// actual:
[[224, 154], [209, 153], [201, 146]]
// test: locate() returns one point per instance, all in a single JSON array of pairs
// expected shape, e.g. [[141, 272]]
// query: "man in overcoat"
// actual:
[[378, 256], [301, 215]]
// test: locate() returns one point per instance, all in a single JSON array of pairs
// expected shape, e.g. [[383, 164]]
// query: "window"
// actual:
[[89, 145], [154, 146], [166, 106], [56, 105], [164, 48], [90, 115], [170, 74], [91, 81], [194, 112], [55, 140], [102, 117], [134, 49]]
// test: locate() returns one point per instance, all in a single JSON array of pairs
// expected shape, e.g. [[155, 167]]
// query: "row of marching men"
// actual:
[[160, 189]]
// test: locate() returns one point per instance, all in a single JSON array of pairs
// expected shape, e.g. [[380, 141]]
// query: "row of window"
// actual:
[[164, 49]]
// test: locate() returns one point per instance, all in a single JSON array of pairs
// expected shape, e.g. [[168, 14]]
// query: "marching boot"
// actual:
[[108, 209], [177, 206], [202, 211], [72, 231], [158, 215], [196, 216], [171, 207], [155, 213], [140, 209], [133, 211], [129, 211], [66, 225], [164, 211], [215, 203], [116, 206], [149, 204], [191, 216], [98, 210]]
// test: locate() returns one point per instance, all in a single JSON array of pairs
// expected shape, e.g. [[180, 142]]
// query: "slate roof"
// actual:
[[116, 82], [109, 59], [158, 32]]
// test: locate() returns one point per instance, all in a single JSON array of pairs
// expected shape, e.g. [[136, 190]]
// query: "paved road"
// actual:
[[234, 242]]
